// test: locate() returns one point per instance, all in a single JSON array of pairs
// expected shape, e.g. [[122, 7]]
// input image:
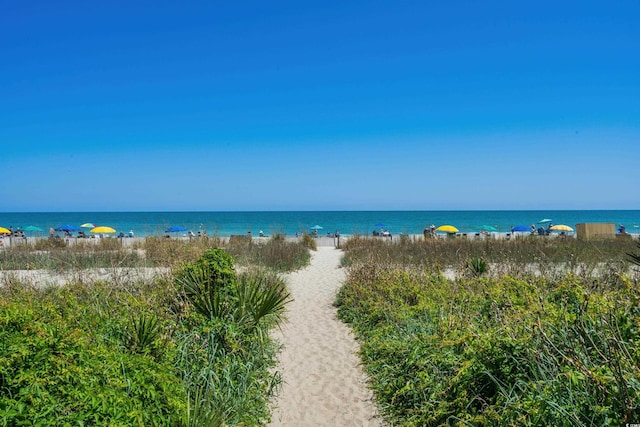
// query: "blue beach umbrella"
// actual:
[[176, 229], [521, 228], [381, 225]]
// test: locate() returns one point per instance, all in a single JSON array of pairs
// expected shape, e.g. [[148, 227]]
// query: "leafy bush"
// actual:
[[62, 363], [142, 354], [496, 352]]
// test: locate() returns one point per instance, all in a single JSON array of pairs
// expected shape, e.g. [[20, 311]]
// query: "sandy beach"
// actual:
[[323, 383]]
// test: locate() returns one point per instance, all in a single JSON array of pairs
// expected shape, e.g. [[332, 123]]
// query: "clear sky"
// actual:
[[319, 105]]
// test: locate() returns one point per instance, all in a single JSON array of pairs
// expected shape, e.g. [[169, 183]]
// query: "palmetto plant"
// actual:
[[260, 296], [215, 292]]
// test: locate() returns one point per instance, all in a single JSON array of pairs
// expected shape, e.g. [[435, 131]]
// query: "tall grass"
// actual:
[[48, 255], [517, 257], [55, 255], [277, 254]]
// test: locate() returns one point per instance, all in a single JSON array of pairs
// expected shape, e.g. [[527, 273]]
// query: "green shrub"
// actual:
[[101, 354], [227, 359], [496, 352], [60, 365]]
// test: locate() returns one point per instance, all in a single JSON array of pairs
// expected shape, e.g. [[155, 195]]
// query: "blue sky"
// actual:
[[349, 105]]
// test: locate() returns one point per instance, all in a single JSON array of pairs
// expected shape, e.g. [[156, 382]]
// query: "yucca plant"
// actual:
[[477, 267], [142, 334]]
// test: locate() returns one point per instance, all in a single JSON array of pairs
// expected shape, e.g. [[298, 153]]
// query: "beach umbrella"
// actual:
[[67, 228], [544, 221], [560, 227], [88, 225], [102, 230], [32, 228], [381, 225], [447, 229], [521, 228], [316, 227], [4, 230], [489, 228], [176, 229]]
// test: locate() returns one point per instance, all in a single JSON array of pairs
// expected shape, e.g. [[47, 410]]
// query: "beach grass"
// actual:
[[548, 349], [56, 255], [517, 258]]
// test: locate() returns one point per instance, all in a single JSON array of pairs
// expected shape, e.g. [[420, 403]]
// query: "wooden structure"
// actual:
[[596, 230]]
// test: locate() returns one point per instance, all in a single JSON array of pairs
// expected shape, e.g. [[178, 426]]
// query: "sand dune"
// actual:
[[323, 382]]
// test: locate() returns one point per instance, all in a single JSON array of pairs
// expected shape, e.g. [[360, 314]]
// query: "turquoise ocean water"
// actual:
[[347, 222]]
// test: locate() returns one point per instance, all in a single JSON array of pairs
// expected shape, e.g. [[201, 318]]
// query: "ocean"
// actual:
[[289, 223]]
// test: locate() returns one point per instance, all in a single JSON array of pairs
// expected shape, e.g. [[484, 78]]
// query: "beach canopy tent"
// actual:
[[176, 229], [521, 228], [67, 228], [447, 229], [489, 228], [4, 230], [103, 229], [544, 221], [560, 227]]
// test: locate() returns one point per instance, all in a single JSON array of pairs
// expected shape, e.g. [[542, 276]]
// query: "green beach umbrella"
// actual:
[[32, 228], [487, 228]]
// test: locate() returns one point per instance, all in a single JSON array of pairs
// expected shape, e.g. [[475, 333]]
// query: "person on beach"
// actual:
[[533, 229], [131, 233]]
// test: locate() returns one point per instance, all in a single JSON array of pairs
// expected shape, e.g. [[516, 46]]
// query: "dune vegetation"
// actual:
[[189, 348], [497, 348]]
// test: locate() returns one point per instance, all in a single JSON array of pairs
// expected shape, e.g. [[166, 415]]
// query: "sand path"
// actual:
[[323, 384]]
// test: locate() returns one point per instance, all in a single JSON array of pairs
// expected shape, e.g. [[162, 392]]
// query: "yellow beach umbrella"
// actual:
[[560, 227], [447, 229], [103, 230], [4, 231]]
